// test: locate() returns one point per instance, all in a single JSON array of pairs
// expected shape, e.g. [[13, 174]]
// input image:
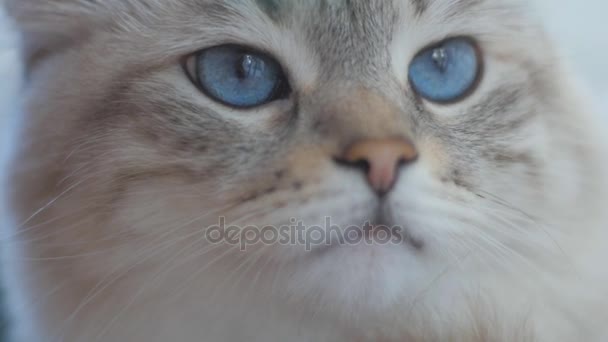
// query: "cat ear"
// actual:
[[50, 24]]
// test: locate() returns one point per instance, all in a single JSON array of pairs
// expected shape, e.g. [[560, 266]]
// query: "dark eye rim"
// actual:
[[481, 69], [281, 91]]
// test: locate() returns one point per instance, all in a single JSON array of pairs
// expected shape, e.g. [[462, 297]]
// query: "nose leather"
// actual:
[[381, 159]]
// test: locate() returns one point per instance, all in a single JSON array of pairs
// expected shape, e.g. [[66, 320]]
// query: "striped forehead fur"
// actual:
[[34, 15]]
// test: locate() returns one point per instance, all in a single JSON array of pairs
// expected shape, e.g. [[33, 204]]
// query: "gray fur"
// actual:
[[118, 142]]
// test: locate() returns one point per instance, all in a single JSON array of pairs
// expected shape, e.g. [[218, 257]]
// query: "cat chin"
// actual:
[[362, 282]]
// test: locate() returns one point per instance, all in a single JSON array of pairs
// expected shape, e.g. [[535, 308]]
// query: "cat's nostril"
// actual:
[[380, 159], [362, 165]]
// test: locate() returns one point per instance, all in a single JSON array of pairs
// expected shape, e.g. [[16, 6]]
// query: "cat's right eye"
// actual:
[[237, 76], [446, 72]]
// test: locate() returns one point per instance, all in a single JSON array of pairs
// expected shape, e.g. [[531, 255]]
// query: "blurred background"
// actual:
[[579, 28]]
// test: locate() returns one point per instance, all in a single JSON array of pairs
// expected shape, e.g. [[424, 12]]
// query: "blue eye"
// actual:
[[237, 76], [446, 72]]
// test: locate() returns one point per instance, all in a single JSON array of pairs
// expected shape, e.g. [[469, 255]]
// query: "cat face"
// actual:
[[151, 123]]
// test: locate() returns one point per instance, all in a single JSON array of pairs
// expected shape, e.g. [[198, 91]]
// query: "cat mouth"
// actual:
[[378, 232], [385, 219], [382, 225]]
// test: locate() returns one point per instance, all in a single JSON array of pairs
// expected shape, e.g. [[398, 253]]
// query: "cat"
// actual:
[[154, 135]]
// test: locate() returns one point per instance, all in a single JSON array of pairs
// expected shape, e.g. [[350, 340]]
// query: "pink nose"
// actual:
[[381, 159]]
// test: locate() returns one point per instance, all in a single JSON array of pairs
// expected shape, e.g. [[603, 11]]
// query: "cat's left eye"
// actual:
[[237, 76], [446, 72]]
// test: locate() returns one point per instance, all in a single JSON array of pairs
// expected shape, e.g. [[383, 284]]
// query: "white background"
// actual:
[[579, 27]]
